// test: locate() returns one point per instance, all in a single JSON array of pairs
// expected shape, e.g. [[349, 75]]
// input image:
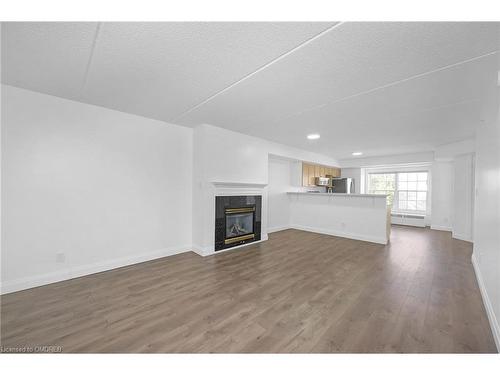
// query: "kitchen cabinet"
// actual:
[[310, 171]]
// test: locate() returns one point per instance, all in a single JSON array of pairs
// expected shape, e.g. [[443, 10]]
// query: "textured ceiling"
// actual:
[[379, 88]]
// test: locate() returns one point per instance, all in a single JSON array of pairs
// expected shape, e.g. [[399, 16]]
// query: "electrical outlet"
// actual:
[[60, 257]]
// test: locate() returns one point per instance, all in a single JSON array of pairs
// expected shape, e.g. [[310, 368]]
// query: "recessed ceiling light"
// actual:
[[313, 136], [357, 153]]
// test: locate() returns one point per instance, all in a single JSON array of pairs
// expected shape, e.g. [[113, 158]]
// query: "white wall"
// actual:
[[249, 155], [463, 199], [486, 257], [449, 151], [284, 175], [101, 187], [280, 181], [442, 195]]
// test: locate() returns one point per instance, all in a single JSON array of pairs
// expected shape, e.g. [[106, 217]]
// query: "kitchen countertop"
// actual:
[[339, 194]]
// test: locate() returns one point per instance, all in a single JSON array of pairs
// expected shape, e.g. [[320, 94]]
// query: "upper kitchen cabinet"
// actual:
[[310, 171]]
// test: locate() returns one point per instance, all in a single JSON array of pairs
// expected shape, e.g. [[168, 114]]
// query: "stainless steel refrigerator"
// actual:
[[343, 185]]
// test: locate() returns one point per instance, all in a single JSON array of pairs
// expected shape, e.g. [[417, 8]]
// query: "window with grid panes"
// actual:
[[382, 183], [407, 191], [412, 191]]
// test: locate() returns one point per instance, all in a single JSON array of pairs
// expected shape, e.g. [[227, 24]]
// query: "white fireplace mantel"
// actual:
[[217, 188], [221, 184], [238, 188]]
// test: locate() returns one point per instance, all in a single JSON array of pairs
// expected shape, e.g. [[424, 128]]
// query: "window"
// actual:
[[412, 191], [382, 183], [407, 191]]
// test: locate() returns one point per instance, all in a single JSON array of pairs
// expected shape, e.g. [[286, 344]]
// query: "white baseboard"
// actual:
[[462, 237], [202, 250], [408, 221], [277, 229], [495, 328], [352, 236], [441, 227], [78, 271]]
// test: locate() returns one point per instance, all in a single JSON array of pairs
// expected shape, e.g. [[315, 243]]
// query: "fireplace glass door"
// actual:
[[239, 223], [237, 220]]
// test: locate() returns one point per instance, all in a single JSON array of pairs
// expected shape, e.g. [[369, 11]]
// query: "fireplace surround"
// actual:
[[237, 220]]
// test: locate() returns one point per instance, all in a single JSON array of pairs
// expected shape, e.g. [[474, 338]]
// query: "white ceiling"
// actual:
[[380, 88]]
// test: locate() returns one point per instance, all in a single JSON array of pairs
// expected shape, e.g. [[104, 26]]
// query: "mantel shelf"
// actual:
[[238, 184]]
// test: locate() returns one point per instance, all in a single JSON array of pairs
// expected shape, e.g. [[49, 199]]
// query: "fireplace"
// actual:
[[237, 220]]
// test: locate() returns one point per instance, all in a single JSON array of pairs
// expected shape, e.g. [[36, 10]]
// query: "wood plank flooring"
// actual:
[[299, 292]]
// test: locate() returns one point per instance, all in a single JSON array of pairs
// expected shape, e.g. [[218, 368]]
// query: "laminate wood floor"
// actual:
[[298, 292]]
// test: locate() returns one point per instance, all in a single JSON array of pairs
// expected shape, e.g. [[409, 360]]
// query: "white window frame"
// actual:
[[403, 168], [396, 194]]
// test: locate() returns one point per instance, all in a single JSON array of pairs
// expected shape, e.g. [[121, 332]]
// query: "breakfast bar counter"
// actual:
[[356, 216]]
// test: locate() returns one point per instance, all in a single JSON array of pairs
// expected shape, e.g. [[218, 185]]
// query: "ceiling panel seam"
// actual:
[[265, 66], [91, 56], [386, 86]]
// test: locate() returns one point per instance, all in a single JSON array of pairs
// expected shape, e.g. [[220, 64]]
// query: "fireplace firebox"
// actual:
[[237, 220]]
